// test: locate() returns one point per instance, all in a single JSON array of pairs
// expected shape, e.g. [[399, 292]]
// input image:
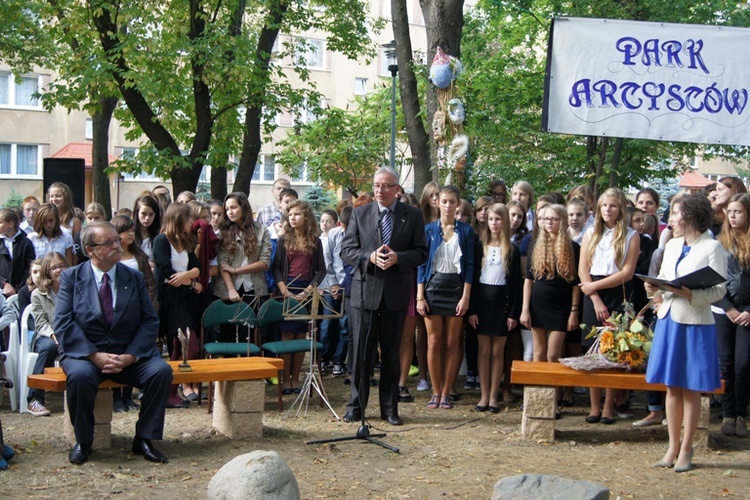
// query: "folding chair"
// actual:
[[26, 360], [11, 362], [239, 314], [271, 313]]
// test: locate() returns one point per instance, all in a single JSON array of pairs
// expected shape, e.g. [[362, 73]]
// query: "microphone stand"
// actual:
[[363, 432]]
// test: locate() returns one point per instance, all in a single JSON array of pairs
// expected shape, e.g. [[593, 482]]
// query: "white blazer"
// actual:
[[705, 252]]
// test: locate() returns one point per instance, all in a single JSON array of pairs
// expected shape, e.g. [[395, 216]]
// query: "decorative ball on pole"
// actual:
[[389, 51]]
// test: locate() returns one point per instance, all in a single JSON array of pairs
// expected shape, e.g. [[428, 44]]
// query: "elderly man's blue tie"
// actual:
[[387, 229]]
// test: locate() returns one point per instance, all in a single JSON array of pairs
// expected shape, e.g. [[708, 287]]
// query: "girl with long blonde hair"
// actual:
[[733, 328], [494, 308], [609, 253], [551, 297], [298, 267], [44, 342]]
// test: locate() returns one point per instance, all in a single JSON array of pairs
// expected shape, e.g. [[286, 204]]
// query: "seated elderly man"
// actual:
[[107, 329]]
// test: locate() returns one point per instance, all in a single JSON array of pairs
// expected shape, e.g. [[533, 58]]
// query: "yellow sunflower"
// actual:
[[606, 342]]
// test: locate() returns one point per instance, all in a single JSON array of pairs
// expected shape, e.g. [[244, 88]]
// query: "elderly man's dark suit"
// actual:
[[386, 297], [81, 329]]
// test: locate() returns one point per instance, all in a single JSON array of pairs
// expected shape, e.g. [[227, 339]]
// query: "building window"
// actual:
[[302, 177], [313, 55], [131, 156], [265, 169], [20, 160], [89, 129], [360, 86], [19, 92]]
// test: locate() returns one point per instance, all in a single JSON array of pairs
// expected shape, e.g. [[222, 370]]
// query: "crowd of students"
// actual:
[[511, 276]]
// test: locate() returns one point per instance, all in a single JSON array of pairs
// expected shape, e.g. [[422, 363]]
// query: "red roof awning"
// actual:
[[80, 150], [693, 180]]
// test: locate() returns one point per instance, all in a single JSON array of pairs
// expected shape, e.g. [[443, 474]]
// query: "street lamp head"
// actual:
[[389, 51]]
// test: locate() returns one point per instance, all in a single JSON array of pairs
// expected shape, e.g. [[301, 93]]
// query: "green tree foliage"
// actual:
[[199, 79], [344, 147], [14, 200], [504, 55], [320, 199]]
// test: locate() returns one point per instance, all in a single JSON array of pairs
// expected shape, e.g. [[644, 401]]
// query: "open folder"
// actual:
[[697, 280]]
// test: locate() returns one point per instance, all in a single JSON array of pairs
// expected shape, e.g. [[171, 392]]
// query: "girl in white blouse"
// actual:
[[609, 252], [443, 293]]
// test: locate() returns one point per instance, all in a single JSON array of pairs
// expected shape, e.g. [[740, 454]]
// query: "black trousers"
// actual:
[[377, 327], [152, 376], [734, 361]]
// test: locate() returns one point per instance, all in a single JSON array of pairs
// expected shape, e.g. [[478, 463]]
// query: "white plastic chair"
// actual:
[[27, 360], [12, 356]]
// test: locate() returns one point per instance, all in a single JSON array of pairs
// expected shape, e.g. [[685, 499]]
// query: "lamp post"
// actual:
[[389, 50]]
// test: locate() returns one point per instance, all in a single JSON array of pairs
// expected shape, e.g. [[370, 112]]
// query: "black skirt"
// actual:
[[551, 301], [491, 309], [612, 298], [443, 292], [180, 308]]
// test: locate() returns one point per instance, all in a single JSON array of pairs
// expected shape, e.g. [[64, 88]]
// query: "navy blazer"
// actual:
[[407, 240], [79, 323], [16, 270]]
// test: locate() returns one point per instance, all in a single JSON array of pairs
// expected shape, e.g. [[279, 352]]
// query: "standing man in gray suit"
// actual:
[[107, 329], [389, 237]]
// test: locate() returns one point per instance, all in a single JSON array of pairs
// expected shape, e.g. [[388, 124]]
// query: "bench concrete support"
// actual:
[[538, 421], [700, 440], [238, 408], [102, 417]]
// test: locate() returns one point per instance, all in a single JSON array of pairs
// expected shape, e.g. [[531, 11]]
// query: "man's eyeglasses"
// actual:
[[108, 243], [384, 187]]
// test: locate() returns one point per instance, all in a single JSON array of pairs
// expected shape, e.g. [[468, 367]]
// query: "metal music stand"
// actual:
[[295, 310]]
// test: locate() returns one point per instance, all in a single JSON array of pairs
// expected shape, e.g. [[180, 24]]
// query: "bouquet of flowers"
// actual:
[[623, 342]]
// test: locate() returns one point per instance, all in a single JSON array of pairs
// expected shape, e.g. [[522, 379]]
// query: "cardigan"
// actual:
[[262, 253], [281, 264], [163, 260], [466, 238]]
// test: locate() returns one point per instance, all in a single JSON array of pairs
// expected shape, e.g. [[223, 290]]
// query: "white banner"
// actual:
[[643, 80]]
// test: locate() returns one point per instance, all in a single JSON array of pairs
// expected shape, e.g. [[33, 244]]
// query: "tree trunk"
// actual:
[[614, 167], [218, 182], [419, 141], [590, 164], [251, 140], [109, 33], [603, 145], [444, 21], [99, 151]]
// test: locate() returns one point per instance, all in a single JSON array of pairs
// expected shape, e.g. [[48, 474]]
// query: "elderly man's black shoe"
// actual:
[[392, 419], [79, 454], [146, 448]]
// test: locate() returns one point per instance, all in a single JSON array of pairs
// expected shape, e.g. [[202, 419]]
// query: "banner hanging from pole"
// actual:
[[644, 80]]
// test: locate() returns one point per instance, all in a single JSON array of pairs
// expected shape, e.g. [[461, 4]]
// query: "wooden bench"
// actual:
[[540, 380], [239, 395]]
